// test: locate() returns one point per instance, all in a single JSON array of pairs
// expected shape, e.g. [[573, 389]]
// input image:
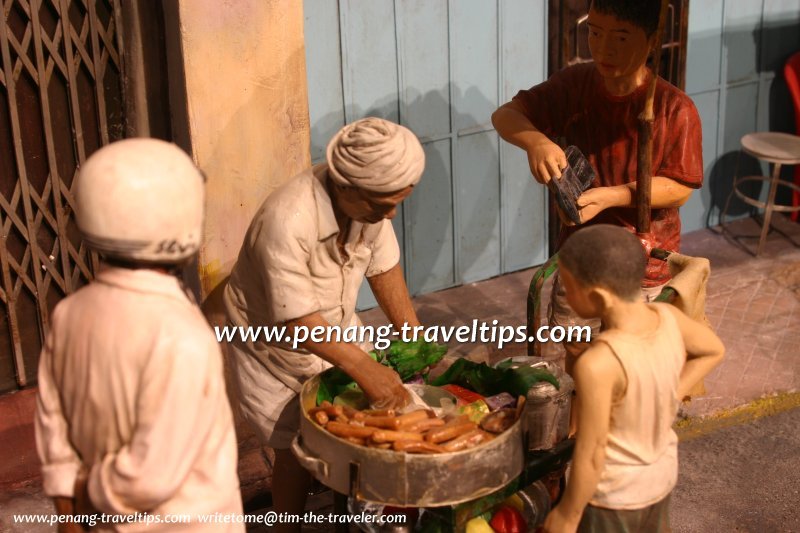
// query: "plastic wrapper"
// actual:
[[500, 401], [416, 379], [475, 411], [352, 398]]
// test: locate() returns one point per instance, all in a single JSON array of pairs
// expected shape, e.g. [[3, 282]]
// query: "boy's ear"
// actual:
[[601, 298]]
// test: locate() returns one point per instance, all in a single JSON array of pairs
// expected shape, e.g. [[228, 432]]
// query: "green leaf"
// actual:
[[332, 383], [489, 381], [411, 358], [502, 365], [407, 359]]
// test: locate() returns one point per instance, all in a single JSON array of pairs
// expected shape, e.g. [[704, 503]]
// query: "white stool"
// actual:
[[778, 149]]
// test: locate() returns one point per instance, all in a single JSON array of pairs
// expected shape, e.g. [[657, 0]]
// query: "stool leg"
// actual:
[[773, 187], [725, 209], [733, 191]]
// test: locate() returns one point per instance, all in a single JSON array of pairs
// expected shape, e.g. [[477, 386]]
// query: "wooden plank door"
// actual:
[[440, 68]]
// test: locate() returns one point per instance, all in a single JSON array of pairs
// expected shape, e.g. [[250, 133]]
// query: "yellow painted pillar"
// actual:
[[246, 113], [239, 105]]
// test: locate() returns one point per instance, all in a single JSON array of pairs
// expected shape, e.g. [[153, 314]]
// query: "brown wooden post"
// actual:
[[644, 176]]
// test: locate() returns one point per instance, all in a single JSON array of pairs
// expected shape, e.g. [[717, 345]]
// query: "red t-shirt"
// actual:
[[575, 105]]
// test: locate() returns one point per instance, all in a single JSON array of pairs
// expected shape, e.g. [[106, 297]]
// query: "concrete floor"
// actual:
[[742, 478], [753, 304]]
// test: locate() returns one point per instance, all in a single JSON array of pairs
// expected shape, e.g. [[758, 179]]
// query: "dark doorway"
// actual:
[[64, 93]]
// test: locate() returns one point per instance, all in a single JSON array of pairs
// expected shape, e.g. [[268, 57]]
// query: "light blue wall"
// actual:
[[440, 68], [735, 58]]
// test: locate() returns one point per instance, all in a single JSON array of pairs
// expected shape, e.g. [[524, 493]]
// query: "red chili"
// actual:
[[508, 520], [464, 396]]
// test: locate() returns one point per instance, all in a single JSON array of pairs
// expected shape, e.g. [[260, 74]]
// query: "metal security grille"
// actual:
[[569, 34], [60, 100]]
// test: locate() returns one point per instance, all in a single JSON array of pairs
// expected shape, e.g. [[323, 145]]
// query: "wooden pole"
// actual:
[[644, 176]]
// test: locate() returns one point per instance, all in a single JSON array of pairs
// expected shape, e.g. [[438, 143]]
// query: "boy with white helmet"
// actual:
[[132, 416]]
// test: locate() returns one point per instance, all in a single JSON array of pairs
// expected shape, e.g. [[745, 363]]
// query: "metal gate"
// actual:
[[60, 100], [569, 38]]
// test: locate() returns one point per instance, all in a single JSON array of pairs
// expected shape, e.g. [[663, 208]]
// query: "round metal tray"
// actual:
[[402, 479]]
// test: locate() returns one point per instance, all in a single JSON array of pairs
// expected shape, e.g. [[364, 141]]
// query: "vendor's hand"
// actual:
[[558, 522], [546, 160], [593, 201], [383, 386]]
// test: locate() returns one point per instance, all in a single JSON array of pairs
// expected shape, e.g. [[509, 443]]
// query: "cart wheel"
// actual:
[[556, 482], [340, 508]]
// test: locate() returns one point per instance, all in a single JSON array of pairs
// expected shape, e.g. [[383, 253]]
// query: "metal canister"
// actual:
[[547, 411], [547, 408]]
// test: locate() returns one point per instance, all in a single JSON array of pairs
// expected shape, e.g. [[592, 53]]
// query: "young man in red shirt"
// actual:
[[595, 107]]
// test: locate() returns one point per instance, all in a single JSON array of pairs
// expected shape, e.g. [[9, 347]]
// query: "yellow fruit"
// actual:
[[479, 525], [515, 502]]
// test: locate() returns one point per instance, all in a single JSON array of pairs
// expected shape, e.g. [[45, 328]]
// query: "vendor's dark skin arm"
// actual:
[[392, 295], [66, 506], [77, 505], [380, 383]]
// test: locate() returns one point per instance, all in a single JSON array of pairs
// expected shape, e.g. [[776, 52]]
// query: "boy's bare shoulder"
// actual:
[[597, 363], [671, 309]]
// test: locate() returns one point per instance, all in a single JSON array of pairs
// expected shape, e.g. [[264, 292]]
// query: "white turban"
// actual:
[[375, 155]]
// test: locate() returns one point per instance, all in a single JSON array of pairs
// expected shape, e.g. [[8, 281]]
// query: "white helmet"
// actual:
[[141, 200]]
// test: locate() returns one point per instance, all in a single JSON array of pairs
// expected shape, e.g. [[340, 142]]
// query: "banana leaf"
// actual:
[[332, 383], [408, 359], [411, 358], [489, 381]]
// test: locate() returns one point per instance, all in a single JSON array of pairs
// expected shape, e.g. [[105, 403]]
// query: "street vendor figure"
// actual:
[[304, 257], [595, 107], [132, 417]]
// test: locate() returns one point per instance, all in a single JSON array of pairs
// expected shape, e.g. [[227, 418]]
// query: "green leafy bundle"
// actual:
[[489, 381], [411, 358], [332, 383], [406, 358]]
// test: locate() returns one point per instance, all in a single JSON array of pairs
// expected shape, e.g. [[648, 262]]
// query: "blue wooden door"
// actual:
[[440, 68]]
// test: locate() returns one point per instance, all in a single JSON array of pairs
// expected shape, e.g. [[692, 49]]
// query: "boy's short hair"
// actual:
[[642, 13], [606, 256]]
